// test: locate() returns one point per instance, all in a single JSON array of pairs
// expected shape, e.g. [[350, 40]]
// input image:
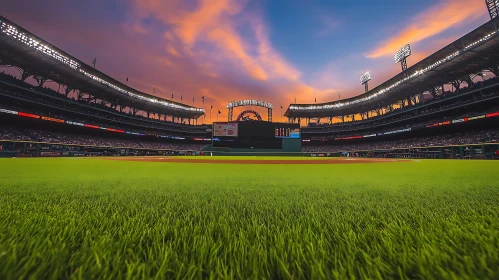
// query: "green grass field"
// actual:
[[91, 218]]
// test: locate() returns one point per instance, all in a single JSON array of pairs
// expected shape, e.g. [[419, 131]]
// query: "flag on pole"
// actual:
[[202, 99], [181, 98], [193, 99], [281, 113], [154, 90], [211, 107], [338, 96], [94, 61], [219, 112], [316, 100], [127, 79], [172, 96]]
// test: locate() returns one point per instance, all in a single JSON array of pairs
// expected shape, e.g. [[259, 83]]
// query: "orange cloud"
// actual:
[[225, 38], [218, 62], [270, 58], [190, 25], [213, 22], [214, 59], [433, 21], [171, 50]]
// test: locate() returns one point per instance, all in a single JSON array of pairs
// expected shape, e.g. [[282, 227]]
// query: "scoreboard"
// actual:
[[255, 134], [287, 132]]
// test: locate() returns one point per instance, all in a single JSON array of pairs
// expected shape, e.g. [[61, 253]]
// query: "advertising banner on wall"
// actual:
[[225, 129]]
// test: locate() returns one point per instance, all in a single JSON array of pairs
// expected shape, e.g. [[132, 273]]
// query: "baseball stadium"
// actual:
[[102, 180]]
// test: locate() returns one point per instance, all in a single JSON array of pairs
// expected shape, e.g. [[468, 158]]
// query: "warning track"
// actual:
[[257, 161]]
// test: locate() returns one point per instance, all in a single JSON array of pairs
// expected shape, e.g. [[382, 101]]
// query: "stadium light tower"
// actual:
[[402, 55], [364, 79], [493, 6]]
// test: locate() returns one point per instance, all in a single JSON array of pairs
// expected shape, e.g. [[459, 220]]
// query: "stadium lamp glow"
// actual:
[[11, 31], [340, 104], [402, 53], [33, 43], [250, 103], [365, 78]]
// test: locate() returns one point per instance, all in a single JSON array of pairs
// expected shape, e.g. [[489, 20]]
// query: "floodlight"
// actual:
[[402, 53], [29, 40], [417, 73], [493, 6], [365, 78]]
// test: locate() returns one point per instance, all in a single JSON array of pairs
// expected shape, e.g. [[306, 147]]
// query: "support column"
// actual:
[[494, 70], [414, 100], [41, 80], [67, 89], [24, 73], [456, 84], [230, 114], [79, 94], [468, 80]]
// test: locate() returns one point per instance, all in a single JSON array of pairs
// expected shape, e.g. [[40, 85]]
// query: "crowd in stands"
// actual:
[[45, 136], [471, 137]]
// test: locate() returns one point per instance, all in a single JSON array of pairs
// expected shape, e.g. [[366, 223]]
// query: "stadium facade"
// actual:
[[445, 106]]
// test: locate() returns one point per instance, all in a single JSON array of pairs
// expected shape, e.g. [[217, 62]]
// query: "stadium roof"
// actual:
[[21, 48], [471, 53]]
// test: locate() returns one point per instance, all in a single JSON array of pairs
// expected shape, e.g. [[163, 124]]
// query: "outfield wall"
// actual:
[[472, 151], [43, 149], [40, 149]]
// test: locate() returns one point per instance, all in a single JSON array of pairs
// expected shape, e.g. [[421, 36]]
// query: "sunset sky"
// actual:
[[227, 50]]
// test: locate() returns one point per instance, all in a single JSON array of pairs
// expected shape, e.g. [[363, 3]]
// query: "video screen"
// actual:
[[287, 132], [255, 134]]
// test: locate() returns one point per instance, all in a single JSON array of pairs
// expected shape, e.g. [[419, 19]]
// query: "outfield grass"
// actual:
[[92, 218]]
